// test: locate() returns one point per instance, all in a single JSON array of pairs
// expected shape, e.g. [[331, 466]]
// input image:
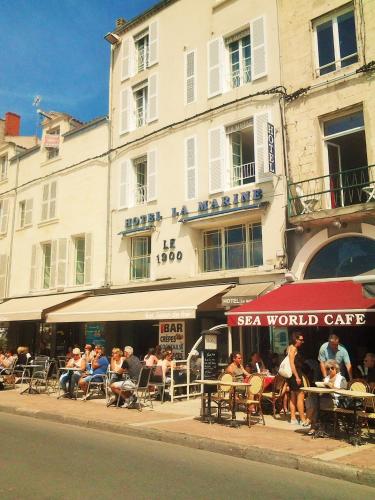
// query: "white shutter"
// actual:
[[215, 66], [152, 106], [4, 216], [124, 184], [3, 274], [125, 111], [62, 251], [45, 198], [88, 257], [52, 200], [153, 42], [33, 267], [28, 211], [127, 58], [52, 283], [260, 147], [190, 77], [151, 175], [258, 48], [216, 167], [191, 167]]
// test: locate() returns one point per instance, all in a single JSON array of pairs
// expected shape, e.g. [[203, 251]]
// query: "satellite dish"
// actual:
[[37, 100]]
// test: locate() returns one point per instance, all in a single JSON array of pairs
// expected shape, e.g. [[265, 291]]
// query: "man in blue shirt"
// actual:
[[334, 350], [99, 367]]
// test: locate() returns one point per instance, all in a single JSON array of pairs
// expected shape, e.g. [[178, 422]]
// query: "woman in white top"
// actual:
[[116, 362], [334, 379], [150, 359]]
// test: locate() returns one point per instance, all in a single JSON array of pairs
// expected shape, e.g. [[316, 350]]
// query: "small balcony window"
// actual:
[[142, 53], [140, 101], [242, 156], [140, 258], [140, 171], [239, 60]]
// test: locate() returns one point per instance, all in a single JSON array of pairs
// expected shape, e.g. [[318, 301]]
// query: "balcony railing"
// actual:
[[243, 174], [141, 195], [239, 77], [336, 190]]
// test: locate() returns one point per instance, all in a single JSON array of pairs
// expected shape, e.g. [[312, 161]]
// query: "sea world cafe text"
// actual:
[[330, 319]]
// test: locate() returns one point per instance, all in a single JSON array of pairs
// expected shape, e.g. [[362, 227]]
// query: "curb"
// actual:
[[282, 459]]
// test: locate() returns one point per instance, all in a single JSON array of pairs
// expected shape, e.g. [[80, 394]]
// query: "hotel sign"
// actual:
[[271, 148]]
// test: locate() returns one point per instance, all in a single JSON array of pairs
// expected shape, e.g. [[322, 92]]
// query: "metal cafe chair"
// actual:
[[142, 389], [42, 380], [99, 386]]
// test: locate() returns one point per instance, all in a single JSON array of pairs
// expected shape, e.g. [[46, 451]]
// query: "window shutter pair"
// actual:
[[216, 66], [62, 259], [28, 211], [4, 212], [190, 77], [3, 274], [49, 201], [127, 111], [127, 181], [128, 51]]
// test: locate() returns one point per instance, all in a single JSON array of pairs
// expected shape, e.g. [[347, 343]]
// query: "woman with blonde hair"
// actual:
[[116, 362]]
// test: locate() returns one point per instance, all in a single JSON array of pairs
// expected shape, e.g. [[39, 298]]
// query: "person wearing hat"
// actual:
[[69, 380]]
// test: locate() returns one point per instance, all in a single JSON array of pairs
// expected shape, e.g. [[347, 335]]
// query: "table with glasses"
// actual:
[[233, 422], [356, 436]]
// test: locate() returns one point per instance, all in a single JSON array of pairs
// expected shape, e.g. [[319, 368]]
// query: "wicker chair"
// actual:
[[254, 397], [223, 397], [276, 394]]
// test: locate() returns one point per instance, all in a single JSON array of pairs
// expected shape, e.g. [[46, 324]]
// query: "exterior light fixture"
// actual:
[[337, 224], [290, 277], [112, 38]]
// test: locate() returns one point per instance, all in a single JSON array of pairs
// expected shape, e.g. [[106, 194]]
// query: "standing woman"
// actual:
[[295, 381]]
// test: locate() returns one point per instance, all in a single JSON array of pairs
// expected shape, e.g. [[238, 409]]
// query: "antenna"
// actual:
[[36, 101]]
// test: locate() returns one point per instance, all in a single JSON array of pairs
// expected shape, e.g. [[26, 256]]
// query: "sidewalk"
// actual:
[[277, 443]]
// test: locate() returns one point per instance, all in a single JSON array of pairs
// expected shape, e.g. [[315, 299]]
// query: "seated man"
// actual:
[[236, 369], [69, 380], [123, 389], [98, 368]]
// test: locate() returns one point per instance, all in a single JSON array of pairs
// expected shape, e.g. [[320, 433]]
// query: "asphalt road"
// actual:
[[44, 460]]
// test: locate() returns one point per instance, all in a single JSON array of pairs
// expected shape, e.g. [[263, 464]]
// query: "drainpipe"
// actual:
[[108, 239], [9, 273]]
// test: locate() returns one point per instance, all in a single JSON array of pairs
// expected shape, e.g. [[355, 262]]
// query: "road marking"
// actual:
[[342, 452], [166, 420]]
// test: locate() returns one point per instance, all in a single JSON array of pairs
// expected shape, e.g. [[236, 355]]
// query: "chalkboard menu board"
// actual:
[[210, 367]]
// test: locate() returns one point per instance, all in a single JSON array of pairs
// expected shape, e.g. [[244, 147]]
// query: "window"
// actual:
[[3, 167], [52, 142], [47, 264], [349, 174], [234, 247], [138, 180], [49, 201], [4, 209], [336, 42], [142, 51], [140, 101], [241, 142], [79, 267], [140, 258], [25, 212], [239, 51], [140, 171]]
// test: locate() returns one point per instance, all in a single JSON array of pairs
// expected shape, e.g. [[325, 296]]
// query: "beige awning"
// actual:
[[32, 308], [241, 294], [179, 303]]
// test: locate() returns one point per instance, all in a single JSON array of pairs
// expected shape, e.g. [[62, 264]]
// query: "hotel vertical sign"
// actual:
[[271, 148]]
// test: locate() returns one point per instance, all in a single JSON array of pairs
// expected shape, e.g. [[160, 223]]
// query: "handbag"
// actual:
[[285, 370]]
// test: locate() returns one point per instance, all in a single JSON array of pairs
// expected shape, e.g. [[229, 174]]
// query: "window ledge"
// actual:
[[26, 226], [50, 161], [48, 222], [337, 72]]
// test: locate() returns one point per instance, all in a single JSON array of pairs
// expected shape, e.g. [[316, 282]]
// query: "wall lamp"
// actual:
[[297, 229], [112, 38]]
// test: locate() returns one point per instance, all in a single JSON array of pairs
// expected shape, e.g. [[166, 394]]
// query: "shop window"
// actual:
[[336, 42], [140, 258], [234, 247]]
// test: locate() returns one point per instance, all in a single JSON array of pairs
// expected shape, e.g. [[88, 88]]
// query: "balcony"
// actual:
[[339, 191], [243, 174], [141, 195]]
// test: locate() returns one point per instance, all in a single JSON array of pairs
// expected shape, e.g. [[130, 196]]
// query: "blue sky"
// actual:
[[56, 49]]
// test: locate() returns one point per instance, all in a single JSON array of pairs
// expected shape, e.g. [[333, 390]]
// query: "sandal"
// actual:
[[306, 423], [311, 432]]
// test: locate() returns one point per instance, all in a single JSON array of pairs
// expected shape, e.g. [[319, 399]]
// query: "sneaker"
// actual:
[[294, 421], [126, 403], [112, 401]]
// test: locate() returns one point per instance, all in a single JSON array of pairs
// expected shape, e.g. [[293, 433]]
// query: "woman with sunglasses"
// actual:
[[297, 397]]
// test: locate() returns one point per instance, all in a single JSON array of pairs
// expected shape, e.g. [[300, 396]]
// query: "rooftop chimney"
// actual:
[[120, 22], [12, 124]]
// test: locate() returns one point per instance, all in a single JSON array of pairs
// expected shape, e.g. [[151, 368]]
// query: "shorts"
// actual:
[[125, 385], [292, 382], [93, 378]]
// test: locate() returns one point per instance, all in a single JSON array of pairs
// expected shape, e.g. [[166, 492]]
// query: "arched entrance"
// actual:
[[342, 257]]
